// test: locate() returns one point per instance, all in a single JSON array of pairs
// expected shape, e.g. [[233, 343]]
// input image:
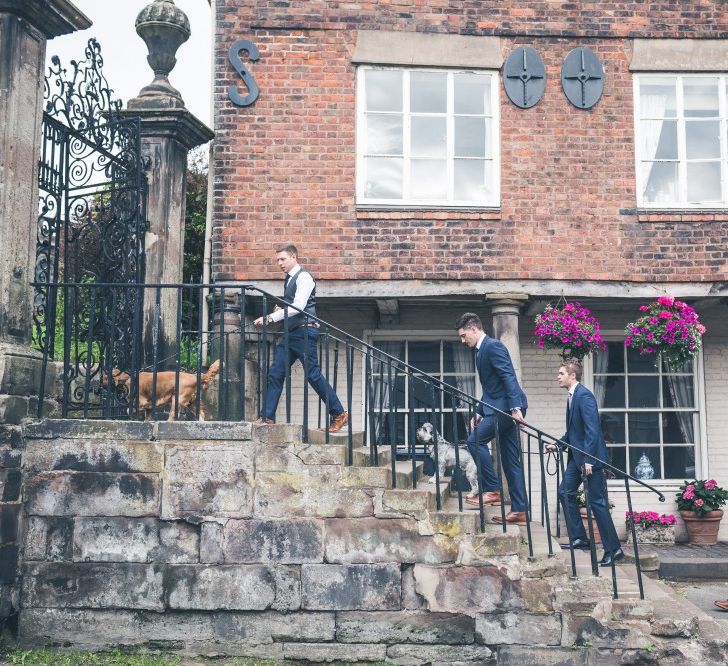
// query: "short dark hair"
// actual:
[[288, 247], [573, 366], [467, 320]]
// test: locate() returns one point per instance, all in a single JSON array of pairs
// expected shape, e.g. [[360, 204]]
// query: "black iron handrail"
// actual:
[[395, 368]]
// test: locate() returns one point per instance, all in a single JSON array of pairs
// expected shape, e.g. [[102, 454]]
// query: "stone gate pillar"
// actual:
[[169, 132], [25, 27]]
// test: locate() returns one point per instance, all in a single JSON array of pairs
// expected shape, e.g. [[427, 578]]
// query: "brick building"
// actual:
[[383, 143]]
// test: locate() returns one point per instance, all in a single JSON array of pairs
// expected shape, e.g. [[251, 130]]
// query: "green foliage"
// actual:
[[195, 214]]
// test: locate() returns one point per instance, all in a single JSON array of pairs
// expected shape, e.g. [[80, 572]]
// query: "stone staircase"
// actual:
[[222, 539]]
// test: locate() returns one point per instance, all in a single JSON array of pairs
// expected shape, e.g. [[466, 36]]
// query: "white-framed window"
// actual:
[[439, 355], [649, 413], [427, 137], [681, 147]]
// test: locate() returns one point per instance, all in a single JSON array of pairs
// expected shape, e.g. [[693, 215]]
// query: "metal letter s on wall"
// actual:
[[248, 79]]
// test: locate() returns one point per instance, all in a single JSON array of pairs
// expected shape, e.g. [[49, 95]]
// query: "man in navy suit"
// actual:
[[584, 431], [500, 390]]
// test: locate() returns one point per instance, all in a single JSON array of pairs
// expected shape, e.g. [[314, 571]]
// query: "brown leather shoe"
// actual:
[[339, 421], [723, 605], [512, 518], [490, 498], [261, 421]]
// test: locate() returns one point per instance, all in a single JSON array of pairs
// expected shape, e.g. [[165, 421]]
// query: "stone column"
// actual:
[[506, 309], [25, 27], [169, 131]]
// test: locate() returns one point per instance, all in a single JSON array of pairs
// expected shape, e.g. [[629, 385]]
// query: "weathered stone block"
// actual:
[[8, 563], [518, 629], [350, 587], [406, 504], [11, 436], [14, 408], [9, 517], [92, 455], [49, 539], [10, 457], [211, 535], [91, 494], [201, 430], [225, 587], [371, 540], [459, 589], [586, 630], [134, 540], [279, 433], [537, 595], [318, 436], [277, 541], [632, 609], [404, 627], [282, 495], [296, 458], [366, 477], [442, 655], [483, 548], [669, 627], [10, 480], [208, 480], [410, 599], [19, 374], [519, 656], [87, 429], [453, 524], [86, 585], [322, 652]]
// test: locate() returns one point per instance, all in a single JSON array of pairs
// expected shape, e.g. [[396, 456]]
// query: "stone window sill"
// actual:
[[378, 213]]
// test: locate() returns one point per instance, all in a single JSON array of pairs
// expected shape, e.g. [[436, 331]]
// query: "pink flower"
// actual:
[[699, 502], [665, 315], [709, 485], [666, 301], [688, 495]]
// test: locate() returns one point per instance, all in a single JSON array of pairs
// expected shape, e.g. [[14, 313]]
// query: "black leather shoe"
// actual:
[[576, 544], [606, 561]]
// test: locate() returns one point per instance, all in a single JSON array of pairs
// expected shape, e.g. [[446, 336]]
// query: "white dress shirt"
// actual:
[[304, 286]]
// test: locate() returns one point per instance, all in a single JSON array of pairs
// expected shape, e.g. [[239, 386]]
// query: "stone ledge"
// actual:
[[202, 430], [51, 17], [87, 429]]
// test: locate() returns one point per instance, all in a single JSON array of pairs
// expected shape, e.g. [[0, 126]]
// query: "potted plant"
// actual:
[[669, 328], [581, 502], [570, 328], [699, 503], [651, 527]]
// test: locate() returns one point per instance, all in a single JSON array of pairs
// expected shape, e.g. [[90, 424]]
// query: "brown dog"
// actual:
[[187, 395]]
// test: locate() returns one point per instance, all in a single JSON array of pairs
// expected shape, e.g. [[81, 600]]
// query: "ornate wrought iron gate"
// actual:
[[91, 226]]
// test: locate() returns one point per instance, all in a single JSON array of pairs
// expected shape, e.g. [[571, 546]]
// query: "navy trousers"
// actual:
[[597, 501], [510, 448], [299, 348]]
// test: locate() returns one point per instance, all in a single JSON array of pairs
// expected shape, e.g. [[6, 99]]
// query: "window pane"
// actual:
[[644, 427], [613, 427], [702, 139], [470, 137], [472, 93], [457, 357], [704, 182], [428, 92], [644, 392], [427, 179], [610, 360], [613, 391], [685, 367], [384, 178], [384, 134], [657, 97], [678, 391], [617, 457], [422, 395], [658, 140], [425, 356], [660, 182], [679, 462], [383, 89], [641, 457], [429, 137], [700, 97], [678, 428], [637, 362], [462, 427], [471, 182]]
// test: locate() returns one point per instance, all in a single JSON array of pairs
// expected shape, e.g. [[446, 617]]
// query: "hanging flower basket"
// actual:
[[570, 328], [669, 328]]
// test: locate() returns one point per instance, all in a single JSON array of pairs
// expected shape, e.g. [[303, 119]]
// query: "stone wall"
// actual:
[[217, 539]]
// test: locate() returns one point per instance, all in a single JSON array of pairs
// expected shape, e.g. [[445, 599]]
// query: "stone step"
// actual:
[[318, 436], [88, 429], [363, 458], [405, 473]]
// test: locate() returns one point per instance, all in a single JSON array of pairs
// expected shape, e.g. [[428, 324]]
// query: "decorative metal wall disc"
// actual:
[[582, 78], [524, 77]]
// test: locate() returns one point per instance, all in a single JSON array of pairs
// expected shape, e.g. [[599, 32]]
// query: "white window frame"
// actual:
[[450, 202], [701, 444], [682, 203]]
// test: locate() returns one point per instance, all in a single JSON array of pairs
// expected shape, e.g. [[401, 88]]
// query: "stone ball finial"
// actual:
[[164, 27]]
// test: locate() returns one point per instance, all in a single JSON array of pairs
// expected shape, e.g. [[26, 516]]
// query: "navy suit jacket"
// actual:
[[583, 428], [498, 379]]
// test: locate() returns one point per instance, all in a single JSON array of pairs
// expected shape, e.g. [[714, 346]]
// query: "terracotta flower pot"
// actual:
[[585, 522], [702, 530]]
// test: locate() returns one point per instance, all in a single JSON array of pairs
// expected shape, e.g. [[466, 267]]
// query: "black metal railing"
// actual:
[[161, 364]]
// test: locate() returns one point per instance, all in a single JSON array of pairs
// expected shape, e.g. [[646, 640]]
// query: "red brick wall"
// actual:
[[285, 167]]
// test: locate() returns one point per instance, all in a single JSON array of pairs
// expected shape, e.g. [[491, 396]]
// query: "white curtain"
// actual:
[[464, 366], [380, 379], [600, 382], [652, 106], [681, 392]]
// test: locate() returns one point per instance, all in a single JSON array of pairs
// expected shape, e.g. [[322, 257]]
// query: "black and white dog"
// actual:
[[428, 436]]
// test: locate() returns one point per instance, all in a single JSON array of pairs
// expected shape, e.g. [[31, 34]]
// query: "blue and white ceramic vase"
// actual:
[[644, 469]]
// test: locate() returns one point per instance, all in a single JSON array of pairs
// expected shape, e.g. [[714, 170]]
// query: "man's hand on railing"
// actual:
[[262, 320], [517, 415], [475, 420], [551, 448], [587, 469]]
